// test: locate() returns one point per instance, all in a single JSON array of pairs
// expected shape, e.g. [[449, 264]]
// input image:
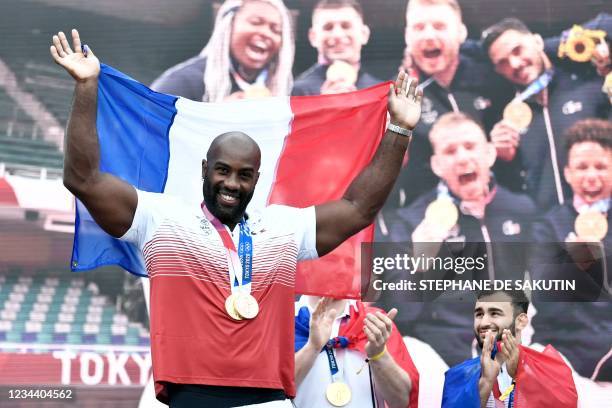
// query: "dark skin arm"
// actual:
[[110, 200], [339, 220]]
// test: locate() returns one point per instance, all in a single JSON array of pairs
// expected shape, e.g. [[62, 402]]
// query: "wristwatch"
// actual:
[[399, 130]]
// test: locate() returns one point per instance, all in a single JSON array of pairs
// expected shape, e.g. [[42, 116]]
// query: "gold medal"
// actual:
[[230, 307], [338, 394], [443, 213], [607, 86], [519, 114], [341, 71], [591, 225], [246, 306], [257, 91]]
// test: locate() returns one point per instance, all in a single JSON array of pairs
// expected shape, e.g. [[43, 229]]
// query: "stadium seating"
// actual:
[[21, 141], [62, 310]]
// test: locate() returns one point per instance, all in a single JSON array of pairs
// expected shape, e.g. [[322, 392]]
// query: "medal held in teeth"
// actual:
[[443, 213], [338, 394], [591, 225], [518, 113]]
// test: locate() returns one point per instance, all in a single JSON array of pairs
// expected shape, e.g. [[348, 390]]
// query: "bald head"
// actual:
[[235, 144]]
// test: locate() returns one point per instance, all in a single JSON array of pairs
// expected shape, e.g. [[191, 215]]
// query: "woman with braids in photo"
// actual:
[[249, 54]]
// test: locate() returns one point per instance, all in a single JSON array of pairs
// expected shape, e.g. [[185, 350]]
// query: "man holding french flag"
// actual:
[[223, 278]]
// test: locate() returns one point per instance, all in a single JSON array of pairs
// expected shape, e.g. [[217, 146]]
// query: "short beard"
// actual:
[[498, 337], [227, 215]]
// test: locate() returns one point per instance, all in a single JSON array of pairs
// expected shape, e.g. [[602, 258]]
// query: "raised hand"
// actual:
[[510, 350], [489, 366], [506, 140], [377, 327], [81, 66], [321, 322], [405, 101]]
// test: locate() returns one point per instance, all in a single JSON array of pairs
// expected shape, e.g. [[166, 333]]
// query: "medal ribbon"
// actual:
[[240, 263], [536, 86], [601, 206], [331, 358], [243, 85]]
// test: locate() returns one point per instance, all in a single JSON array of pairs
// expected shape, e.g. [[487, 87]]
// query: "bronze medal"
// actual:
[[341, 71], [519, 114], [591, 225], [338, 394], [443, 213], [230, 307], [246, 306]]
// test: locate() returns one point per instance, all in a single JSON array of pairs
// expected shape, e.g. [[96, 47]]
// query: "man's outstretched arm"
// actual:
[[338, 220], [110, 201]]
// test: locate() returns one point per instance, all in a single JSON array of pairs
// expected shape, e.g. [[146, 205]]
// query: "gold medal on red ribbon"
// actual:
[[591, 225], [443, 213], [519, 114], [246, 306], [341, 71], [256, 91], [338, 394], [230, 307]]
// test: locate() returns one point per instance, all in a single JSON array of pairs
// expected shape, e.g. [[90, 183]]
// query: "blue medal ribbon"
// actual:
[[245, 253], [336, 342], [536, 86], [331, 358]]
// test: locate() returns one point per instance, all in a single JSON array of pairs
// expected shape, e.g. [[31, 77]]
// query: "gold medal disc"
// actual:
[[341, 71], [607, 86], [230, 308], [519, 114], [442, 212], [591, 225], [338, 394], [257, 91], [246, 306]]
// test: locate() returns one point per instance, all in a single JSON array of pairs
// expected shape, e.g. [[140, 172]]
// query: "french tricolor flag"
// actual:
[[312, 148]]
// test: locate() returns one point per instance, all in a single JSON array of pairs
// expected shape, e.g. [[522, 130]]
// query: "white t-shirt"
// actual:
[[311, 391], [193, 339]]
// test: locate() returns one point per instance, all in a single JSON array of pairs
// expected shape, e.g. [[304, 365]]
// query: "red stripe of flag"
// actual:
[[332, 138]]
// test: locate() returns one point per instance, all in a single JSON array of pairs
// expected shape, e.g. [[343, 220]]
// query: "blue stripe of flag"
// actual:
[[133, 124]]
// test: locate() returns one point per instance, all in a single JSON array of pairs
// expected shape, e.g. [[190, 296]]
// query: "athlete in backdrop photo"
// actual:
[[249, 54], [338, 32]]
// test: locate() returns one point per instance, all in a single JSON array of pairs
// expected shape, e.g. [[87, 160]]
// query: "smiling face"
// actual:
[[589, 171], [517, 56], [338, 34], [230, 175], [493, 314], [434, 33], [462, 158], [256, 35]]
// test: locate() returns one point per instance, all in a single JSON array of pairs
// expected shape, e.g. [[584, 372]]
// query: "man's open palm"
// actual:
[[405, 101], [81, 66]]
